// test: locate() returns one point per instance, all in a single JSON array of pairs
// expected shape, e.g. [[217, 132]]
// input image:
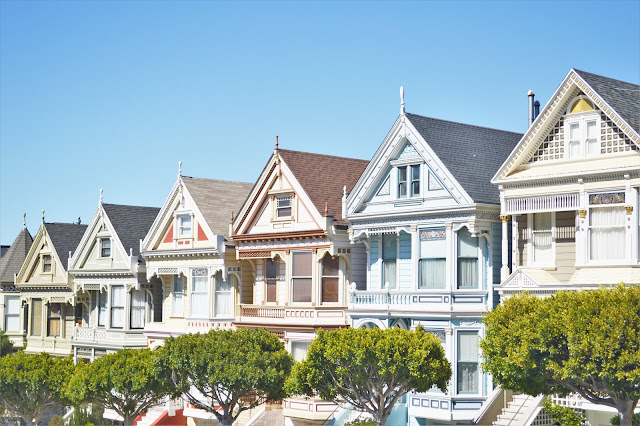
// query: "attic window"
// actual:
[[283, 207], [184, 226], [409, 181], [582, 127], [46, 263], [105, 247]]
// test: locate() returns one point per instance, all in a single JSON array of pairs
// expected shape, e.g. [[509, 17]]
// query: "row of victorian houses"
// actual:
[[446, 219]]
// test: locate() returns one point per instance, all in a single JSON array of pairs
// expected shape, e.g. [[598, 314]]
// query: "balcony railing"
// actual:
[[101, 335], [292, 314], [393, 298]]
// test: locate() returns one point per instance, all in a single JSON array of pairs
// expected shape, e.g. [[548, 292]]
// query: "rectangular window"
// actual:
[[138, 308], [117, 306], [299, 350], [467, 362], [224, 296], [592, 142], [271, 275], [283, 207], [36, 317], [389, 255], [102, 308], [199, 293], [12, 314], [402, 182], [177, 293], [105, 247], [330, 279], [80, 315], [46, 263], [467, 259], [54, 316], [574, 141], [184, 226], [415, 180], [541, 238], [301, 276], [607, 233], [433, 258]]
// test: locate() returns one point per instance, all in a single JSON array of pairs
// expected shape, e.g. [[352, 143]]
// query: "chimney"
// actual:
[[531, 108], [536, 109]]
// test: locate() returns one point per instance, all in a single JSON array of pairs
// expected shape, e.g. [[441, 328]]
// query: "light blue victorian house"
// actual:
[[429, 217]]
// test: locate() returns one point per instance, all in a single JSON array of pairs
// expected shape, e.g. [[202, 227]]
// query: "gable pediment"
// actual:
[[42, 252]]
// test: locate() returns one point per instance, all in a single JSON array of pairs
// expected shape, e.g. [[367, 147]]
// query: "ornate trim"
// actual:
[[504, 218], [583, 213], [629, 209]]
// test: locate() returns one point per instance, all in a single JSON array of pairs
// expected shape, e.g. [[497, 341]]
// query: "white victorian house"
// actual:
[[429, 217], [114, 301]]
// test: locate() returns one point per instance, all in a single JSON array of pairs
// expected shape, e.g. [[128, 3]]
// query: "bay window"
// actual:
[[389, 256], [271, 276], [224, 296], [117, 306], [433, 259], [301, 276], [542, 239], [607, 233], [177, 294], [138, 309], [467, 362], [54, 316], [12, 314], [199, 293], [467, 259], [102, 308], [330, 279], [36, 317]]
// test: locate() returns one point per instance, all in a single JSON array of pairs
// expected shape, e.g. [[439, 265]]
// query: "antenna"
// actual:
[[42, 216], [179, 169], [401, 100], [24, 220]]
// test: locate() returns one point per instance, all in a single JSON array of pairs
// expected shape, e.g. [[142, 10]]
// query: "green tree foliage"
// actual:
[[30, 385], [563, 415], [585, 342], [371, 369], [123, 381], [6, 346], [235, 370]]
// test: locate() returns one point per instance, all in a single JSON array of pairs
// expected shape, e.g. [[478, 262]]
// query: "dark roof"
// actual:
[[623, 97], [217, 199], [471, 153], [11, 262], [323, 178], [131, 223], [65, 238]]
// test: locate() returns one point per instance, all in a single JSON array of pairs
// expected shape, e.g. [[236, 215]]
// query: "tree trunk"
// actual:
[[128, 420], [625, 409], [226, 421]]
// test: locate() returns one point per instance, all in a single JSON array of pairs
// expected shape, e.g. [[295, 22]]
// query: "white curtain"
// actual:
[[468, 361], [542, 239], [433, 273], [102, 308], [607, 233], [117, 306], [138, 308], [177, 302], [299, 350], [467, 273], [224, 299], [200, 296], [12, 314], [389, 273]]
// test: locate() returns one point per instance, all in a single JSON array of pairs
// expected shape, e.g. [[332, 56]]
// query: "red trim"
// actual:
[[201, 234], [169, 237]]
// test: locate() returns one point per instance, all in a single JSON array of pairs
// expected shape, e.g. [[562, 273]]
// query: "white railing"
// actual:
[[102, 335], [542, 203], [393, 297]]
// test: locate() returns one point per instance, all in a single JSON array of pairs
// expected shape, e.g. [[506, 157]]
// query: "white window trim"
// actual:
[[291, 278], [274, 209], [172, 312], [587, 237], [480, 335], [581, 118], [176, 232], [480, 266], [530, 262]]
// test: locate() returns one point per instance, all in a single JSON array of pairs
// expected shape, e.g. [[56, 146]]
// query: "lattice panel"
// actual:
[[612, 138], [552, 148]]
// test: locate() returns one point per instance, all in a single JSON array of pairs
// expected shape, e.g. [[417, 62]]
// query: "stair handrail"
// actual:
[[519, 408]]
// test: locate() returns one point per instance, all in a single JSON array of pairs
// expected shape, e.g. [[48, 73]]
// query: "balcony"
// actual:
[[291, 315], [88, 336], [52, 345], [436, 302], [309, 408], [443, 407]]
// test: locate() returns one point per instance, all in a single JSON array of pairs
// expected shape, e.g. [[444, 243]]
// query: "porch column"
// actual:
[[449, 276], [504, 271], [414, 257]]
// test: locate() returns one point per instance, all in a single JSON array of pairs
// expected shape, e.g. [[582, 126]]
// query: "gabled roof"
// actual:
[[622, 96], [11, 262], [131, 223], [65, 238], [471, 153], [323, 177], [217, 199]]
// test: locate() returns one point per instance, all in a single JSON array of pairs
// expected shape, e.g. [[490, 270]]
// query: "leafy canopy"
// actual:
[[371, 368], [586, 342], [6, 346], [123, 381], [32, 384], [234, 370]]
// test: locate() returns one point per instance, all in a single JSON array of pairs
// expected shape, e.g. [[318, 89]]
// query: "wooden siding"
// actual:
[[359, 266]]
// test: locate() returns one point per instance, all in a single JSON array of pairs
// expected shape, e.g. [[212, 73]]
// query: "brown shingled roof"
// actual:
[[323, 178], [11, 262]]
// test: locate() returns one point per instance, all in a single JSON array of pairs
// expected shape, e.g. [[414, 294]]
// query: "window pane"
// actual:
[[299, 350], [389, 273], [53, 320], [224, 296], [574, 132], [467, 273], [46, 264], [117, 306], [138, 308], [432, 273], [402, 182], [591, 129], [607, 233], [415, 180], [271, 273], [12, 314], [468, 361], [302, 290], [302, 264], [330, 289], [106, 248], [467, 245], [36, 317], [102, 308], [389, 246], [542, 238], [177, 304]]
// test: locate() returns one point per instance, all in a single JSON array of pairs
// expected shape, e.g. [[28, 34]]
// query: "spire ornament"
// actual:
[[24, 220], [401, 100], [179, 169]]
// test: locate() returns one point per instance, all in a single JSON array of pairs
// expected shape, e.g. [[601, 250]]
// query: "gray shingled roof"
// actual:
[[471, 153], [11, 262], [131, 223], [216, 199], [65, 238], [623, 97]]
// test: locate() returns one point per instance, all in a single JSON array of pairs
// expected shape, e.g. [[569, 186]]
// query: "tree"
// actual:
[[6, 346], [30, 385], [585, 342], [123, 381], [226, 372], [370, 369]]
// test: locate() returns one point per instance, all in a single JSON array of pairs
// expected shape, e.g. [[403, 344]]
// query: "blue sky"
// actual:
[[112, 94]]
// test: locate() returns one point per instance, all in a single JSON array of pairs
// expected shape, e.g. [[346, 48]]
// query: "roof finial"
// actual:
[[100, 196], [344, 191], [231, 217], [24, 220], [179, 169], [326, 209], [42, 216], [276, 142], [401, 100]]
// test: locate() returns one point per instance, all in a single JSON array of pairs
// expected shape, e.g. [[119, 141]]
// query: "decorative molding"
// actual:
[[629, 209], [504, 218], [606, 198], [583, 213]]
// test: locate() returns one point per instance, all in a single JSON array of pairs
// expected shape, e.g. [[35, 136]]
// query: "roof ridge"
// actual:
[[324, 155], [465, 124], [604, 76], [129, 205], [216, 180]]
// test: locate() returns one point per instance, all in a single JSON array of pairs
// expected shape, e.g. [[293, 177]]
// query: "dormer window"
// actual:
[[582, 123], [105, 247], [46, 263], [408, 181], [283, 207], [185, 229]]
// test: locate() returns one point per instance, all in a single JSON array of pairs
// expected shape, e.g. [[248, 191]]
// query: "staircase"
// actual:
[[519, 411], [152, 415]]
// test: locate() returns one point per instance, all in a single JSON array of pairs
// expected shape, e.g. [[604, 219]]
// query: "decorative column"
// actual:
[[450, 256], [504, 271], [414, 257]]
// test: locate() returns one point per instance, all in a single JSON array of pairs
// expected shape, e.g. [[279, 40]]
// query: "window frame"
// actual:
[[551, 263], [36, 314], [113, 308], [478, 362], [437, 234], [301, 277], [588, 228], [276, 198], [103, 248], [180, 234], [230, 292], [409, 181], [478, 258], [51, 317], [581, 119], [44, 264], [193, 294], [102, 310], [336, 277], [275, 281], [177, 313], [383, 281], [8, 315]]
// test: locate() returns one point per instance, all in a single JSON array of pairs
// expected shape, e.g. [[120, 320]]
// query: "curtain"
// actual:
[[102, 308], [468, 361], [542, 239], [53, 320], [200, 296], [467, 273], [117, 306], [389, 273], [177, 305], [12, 312], [299, 350], [433, 273], [302, 276], [224, 296], [607, 233], [138, 308]]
